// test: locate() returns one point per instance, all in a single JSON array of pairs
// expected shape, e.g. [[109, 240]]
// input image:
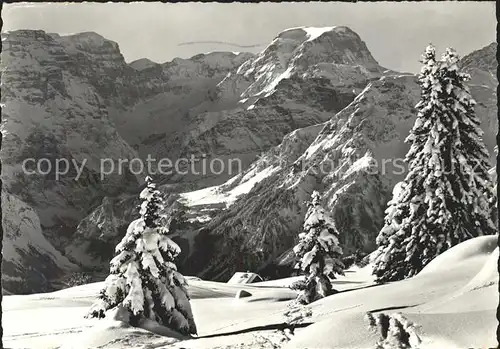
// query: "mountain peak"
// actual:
[[312, 33], [26, 35], [89, 42], [301, 51], [142, 63]]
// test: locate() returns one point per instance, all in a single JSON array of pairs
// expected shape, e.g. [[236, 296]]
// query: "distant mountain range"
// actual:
[[312, 98]]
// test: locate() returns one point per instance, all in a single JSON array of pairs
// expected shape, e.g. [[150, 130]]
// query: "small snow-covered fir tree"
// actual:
[[143, 277], [319, 254], [447, 195]]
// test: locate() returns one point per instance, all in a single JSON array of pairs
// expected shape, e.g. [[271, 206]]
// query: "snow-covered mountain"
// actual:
[[221, 234], [336, 53], [338, 161], [312, 111], [299, 80], [370, 129], [345, 162], [326, 68], [482, 65]]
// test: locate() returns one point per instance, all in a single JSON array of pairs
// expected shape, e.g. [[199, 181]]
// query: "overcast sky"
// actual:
[[396, 33]]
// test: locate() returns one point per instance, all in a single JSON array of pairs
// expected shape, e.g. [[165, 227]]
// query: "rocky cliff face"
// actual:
[[51, 113], [62, 98], [334, 52], [179, 91], [29, 260]]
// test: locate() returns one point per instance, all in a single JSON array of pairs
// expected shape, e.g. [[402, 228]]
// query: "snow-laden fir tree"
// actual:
[[143, 277], [447, 195], [319, 253]]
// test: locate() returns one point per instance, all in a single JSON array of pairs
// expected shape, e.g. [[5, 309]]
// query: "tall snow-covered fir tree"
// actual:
[[447, 196], [319, 254], [143, 277]]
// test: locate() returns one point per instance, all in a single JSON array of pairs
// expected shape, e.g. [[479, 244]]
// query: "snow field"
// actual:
[[450, 315]]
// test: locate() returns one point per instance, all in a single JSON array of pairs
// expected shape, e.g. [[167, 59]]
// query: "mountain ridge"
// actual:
[[228, 214], [59, 96]]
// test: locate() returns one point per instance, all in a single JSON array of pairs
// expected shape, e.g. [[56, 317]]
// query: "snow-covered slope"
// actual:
[[448, 312], [216, 194], [437, 308]]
